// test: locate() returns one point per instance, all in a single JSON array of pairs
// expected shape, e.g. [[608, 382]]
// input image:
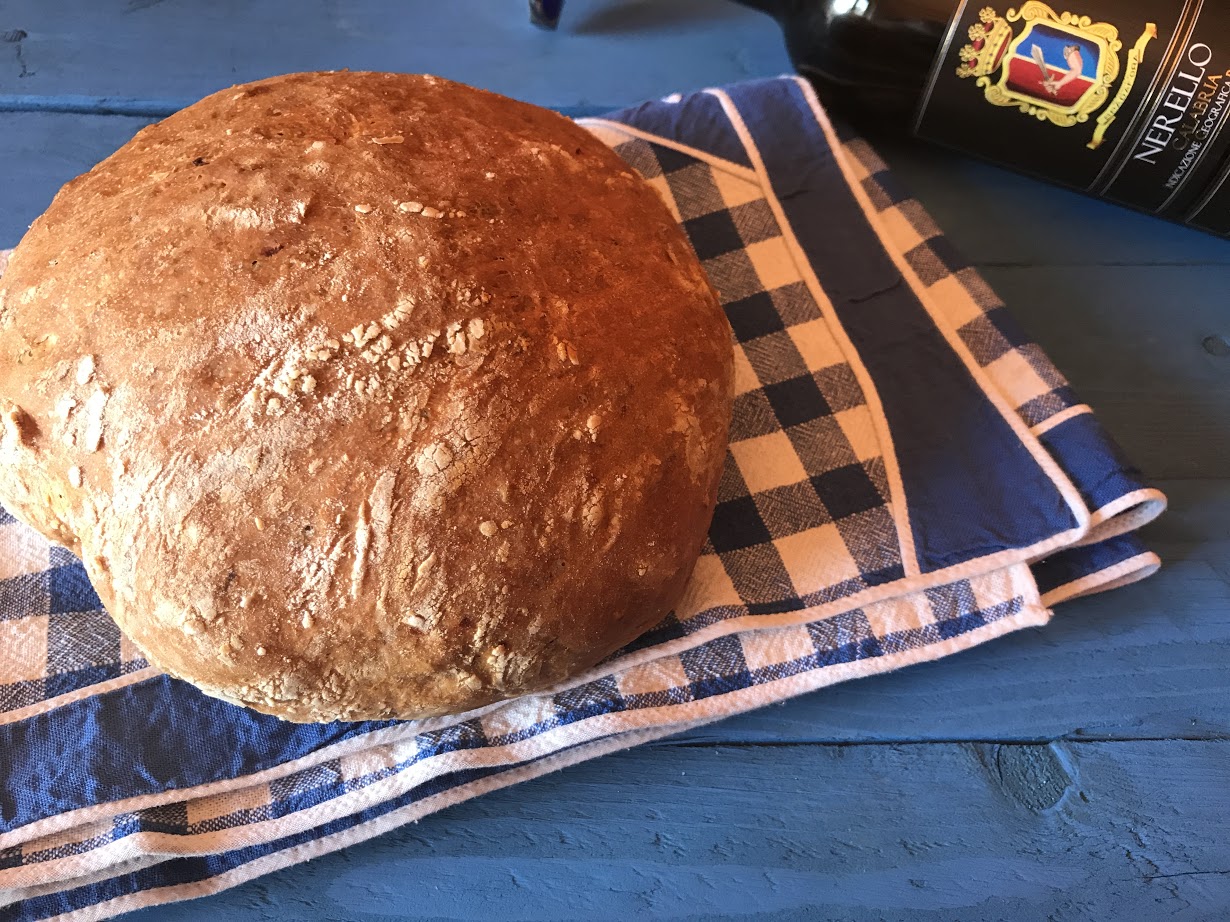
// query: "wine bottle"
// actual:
[[1127, 100]]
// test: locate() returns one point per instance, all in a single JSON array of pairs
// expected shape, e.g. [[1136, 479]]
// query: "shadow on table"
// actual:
[[624, 16]]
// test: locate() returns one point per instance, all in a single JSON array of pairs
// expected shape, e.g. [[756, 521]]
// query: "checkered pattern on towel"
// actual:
[[815, 571], [55, 637], [1037, 389]]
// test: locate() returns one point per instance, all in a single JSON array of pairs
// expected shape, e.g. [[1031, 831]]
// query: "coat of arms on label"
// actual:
[[1059, 68]]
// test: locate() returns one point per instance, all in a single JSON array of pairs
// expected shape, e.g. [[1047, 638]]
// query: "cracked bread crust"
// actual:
[[365, 395]]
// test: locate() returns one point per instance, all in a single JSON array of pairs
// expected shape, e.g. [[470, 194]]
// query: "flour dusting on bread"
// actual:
[[366, 395]]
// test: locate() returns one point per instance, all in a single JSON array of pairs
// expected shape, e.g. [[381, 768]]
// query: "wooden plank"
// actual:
[[605, 53], [922, 833], [1131, 341]]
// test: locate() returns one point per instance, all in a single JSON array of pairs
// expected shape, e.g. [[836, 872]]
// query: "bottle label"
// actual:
[[1124, 99]]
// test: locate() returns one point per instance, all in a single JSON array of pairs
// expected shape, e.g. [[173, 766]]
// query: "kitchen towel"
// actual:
[[908, 476]]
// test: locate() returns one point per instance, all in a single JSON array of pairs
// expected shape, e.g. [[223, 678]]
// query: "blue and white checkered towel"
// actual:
[[908, 477]]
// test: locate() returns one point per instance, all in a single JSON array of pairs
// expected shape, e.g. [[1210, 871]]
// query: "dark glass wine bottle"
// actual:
[[864, 57], [1127, 100]]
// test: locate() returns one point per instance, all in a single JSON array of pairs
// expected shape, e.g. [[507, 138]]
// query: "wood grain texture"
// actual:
[[928, 833], [1130, 339], [173, 49]]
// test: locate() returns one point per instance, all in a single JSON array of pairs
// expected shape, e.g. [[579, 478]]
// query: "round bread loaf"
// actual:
[[366, 395]]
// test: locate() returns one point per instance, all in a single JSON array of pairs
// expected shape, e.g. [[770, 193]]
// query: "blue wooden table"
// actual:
[[1077, 772]]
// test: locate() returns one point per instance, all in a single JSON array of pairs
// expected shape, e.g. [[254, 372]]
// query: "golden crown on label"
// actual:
[[988, 41]]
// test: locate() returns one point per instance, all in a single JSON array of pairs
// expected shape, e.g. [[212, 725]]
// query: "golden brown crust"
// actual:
[[366, 395]]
